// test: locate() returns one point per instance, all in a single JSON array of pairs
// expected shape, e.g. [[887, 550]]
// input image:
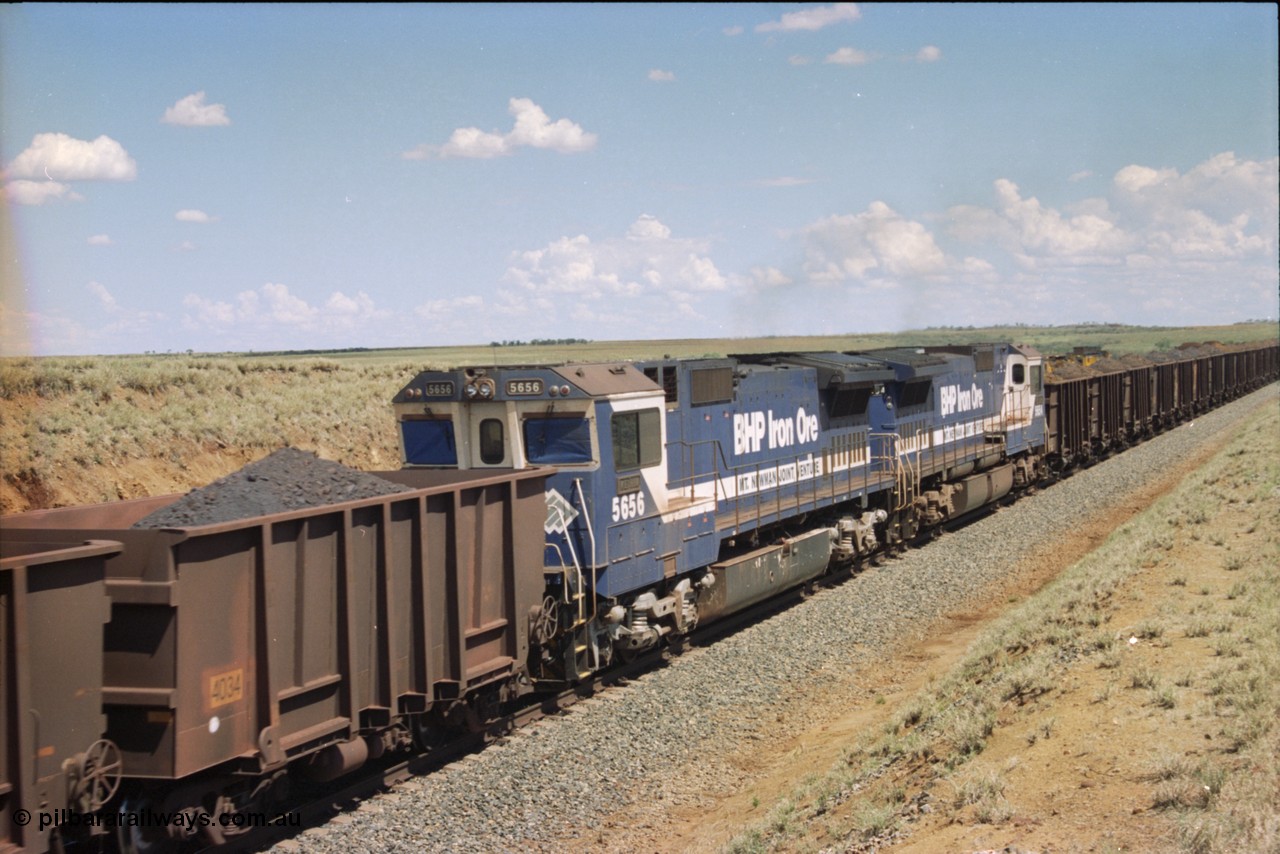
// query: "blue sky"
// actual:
[[241, 177]]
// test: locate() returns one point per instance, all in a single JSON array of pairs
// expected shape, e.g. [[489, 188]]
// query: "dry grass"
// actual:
[[1225, 802], [63, 417]]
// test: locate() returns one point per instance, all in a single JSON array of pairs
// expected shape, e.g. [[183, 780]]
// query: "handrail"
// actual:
[[576, 565], [586, 515]]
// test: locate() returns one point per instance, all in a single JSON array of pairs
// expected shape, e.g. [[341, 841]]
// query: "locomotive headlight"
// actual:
[[486, 390], [470, 390]]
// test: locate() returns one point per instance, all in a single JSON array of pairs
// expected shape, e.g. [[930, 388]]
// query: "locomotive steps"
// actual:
[[683, 757]]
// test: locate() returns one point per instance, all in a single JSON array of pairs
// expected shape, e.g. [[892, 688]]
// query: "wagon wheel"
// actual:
[[97, 775], [547, 622]]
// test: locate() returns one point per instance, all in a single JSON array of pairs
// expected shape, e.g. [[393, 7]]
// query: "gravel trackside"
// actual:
[[655, 743]]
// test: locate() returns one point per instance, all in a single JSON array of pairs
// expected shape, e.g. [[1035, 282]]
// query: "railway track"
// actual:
[[322, 805]]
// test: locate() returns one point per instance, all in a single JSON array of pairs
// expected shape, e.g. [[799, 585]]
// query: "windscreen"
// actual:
[[429, 442], [557, 441]]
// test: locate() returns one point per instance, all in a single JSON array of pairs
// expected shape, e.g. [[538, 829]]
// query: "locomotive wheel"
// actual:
[[97, 775]]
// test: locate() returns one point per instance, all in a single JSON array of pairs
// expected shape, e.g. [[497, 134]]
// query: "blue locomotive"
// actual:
[[686, 489]]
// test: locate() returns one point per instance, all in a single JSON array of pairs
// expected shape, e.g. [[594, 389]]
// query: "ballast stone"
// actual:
[[288, 479]]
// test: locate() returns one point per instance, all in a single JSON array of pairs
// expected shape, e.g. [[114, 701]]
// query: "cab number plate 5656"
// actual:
[[628, 506]]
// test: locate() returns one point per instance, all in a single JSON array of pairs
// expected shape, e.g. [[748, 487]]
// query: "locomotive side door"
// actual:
[[1018, 398], [632, 493]]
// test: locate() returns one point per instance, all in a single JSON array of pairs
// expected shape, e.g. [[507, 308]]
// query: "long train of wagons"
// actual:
[[557, 518]]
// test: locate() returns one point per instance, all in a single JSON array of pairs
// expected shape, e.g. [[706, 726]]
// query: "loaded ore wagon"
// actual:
[[312, 631]]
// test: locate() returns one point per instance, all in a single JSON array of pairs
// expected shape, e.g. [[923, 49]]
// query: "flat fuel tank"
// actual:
[[765, 572]]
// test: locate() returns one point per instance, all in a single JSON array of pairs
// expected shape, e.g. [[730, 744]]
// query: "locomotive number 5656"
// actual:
[[628, 506]]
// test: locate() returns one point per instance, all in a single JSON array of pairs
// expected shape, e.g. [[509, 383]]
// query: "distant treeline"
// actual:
[[327, 352], [536, 342]]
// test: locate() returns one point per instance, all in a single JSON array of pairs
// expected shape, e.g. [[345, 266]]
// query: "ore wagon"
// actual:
[[53, 604], [307, 640]]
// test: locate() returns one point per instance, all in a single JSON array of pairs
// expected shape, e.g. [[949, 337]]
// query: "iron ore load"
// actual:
[[297, 619]]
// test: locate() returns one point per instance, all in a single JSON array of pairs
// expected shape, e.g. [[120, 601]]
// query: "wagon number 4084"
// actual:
[[628, 506]]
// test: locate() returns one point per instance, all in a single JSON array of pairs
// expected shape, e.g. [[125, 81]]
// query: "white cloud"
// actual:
[[114, 328], [192, 111], [1036, 236], [1222, 211], [104, 297], [732, 31], [812, 19], [465, 142], [1135, 179], [23, 192], [186, 246], [1222, 186], [783, 181], [769, 277], [100, 240], [192, 215], [1047, 233], [1192, 234], [657, 75], [59, 157], [442, 313], [929, 53], [648, 227], [533, 128], [848, 56], [275, 315], [638, 280], [1163, 246], [878, 242], [1077, 177], [798, 59]]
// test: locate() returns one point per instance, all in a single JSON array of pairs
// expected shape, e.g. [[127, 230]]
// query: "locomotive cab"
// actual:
[[512, 417], [1023, 386]]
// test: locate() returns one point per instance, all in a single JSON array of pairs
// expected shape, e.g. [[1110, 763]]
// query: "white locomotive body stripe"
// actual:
[[755, 480]]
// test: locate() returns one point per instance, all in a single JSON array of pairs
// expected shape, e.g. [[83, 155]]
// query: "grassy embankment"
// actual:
[[1132, 704], [87, 429]]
